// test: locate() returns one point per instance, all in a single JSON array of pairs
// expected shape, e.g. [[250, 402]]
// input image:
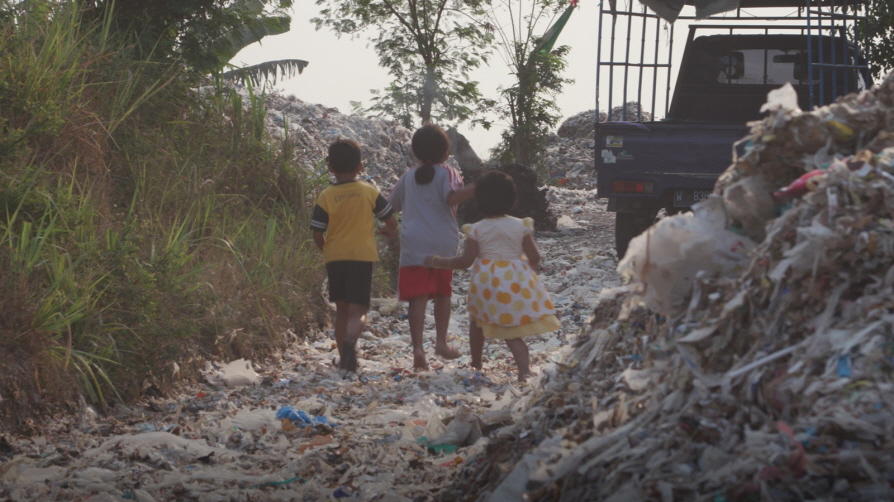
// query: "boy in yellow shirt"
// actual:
[[344, 229]]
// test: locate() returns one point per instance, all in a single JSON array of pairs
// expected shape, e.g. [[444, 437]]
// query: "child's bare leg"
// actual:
[[476, 344], [442, 322], [416, 318], [341, 328], [354, 327], [522, 357]]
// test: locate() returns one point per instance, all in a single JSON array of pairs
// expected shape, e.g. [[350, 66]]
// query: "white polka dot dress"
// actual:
[[506, 298]]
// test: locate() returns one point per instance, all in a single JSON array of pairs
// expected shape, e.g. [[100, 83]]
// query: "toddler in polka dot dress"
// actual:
[[506, 298]]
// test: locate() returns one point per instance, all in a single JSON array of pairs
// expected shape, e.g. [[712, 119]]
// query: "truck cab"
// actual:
[[662, 147]]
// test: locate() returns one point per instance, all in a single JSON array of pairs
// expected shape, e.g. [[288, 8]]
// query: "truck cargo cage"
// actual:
[[638, 61], [672, 110]]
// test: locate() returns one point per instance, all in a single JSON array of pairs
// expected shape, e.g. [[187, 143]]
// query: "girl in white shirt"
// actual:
[[506, 298]]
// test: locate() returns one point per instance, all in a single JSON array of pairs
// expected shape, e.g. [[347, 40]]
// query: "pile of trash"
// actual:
[[769, 377], [570, 153], [385, 144]]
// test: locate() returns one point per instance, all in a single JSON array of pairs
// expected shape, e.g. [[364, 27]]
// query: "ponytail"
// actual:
[[431, 146], [424, 174]]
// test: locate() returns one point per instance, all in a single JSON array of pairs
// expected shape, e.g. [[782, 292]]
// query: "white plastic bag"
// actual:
[[463, 430], [238, 373], [750, 203], [666, 258]]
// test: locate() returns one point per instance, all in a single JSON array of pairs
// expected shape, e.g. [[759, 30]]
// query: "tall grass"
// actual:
[[142, 222]]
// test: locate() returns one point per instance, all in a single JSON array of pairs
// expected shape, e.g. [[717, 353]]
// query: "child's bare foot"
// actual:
[[419, 363], [524, 377], [447, 352]]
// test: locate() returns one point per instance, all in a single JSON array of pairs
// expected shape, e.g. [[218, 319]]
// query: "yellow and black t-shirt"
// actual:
[[345, 212]]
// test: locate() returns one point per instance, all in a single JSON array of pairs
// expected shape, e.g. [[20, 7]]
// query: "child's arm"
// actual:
[[530, 249], [319, 222], [389, 229], [465, 260], [319, 239], [395, 198], [385, 212], [465, 193]]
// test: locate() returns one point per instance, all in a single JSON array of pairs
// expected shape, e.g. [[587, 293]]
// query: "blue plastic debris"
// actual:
[[844, 367], [300, 417], [147, 427]]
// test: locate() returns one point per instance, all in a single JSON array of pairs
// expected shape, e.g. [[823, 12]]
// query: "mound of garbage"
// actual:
[[571, 152], [385, 144], [760, 369]]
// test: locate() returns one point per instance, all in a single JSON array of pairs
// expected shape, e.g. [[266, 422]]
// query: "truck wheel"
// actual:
[[628, 226]]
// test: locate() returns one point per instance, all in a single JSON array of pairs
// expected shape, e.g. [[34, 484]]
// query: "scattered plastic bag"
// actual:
[[750, 205], [666, 258], [436, 448], [300, 417], [808, 182], [783, 98], [239, 372], [463, 430]]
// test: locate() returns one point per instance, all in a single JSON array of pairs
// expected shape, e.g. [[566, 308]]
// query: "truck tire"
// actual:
[[628, 226]]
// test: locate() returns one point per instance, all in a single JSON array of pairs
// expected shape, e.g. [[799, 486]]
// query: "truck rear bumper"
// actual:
[[664, 190]]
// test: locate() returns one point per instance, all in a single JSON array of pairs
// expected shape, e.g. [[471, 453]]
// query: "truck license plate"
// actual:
[[686, 198]]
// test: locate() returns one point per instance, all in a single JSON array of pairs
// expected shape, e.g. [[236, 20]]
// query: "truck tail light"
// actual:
[[631, 187]]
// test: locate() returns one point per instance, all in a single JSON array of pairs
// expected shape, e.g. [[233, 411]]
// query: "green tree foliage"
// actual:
[[428, 46], [878, 28], [255, 26], [529, 105], [203, 34]]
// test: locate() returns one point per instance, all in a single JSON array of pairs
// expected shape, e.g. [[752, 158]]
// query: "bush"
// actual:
[[144, 223]]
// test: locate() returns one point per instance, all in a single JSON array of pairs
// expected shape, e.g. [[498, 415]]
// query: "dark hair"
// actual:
[[431, 146], [495, 193], [344, 155]]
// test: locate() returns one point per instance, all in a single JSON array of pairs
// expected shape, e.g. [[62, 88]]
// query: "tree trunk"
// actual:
[[522, 125], [429, 92]]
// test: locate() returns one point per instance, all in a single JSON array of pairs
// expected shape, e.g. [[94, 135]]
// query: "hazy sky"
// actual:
[[344, 70]]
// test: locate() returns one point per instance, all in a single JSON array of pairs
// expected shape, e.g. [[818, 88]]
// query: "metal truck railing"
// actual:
[[638, 61]]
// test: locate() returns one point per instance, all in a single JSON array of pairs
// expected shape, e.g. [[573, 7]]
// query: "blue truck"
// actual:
[[659, 151]]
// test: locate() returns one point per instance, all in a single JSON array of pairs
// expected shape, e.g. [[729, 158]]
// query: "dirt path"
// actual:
[[366, 438]]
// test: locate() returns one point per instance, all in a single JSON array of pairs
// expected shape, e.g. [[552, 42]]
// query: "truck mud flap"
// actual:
[[628, 226]]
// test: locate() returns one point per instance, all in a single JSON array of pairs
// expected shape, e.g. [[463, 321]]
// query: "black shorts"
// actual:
[[350, 281]]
